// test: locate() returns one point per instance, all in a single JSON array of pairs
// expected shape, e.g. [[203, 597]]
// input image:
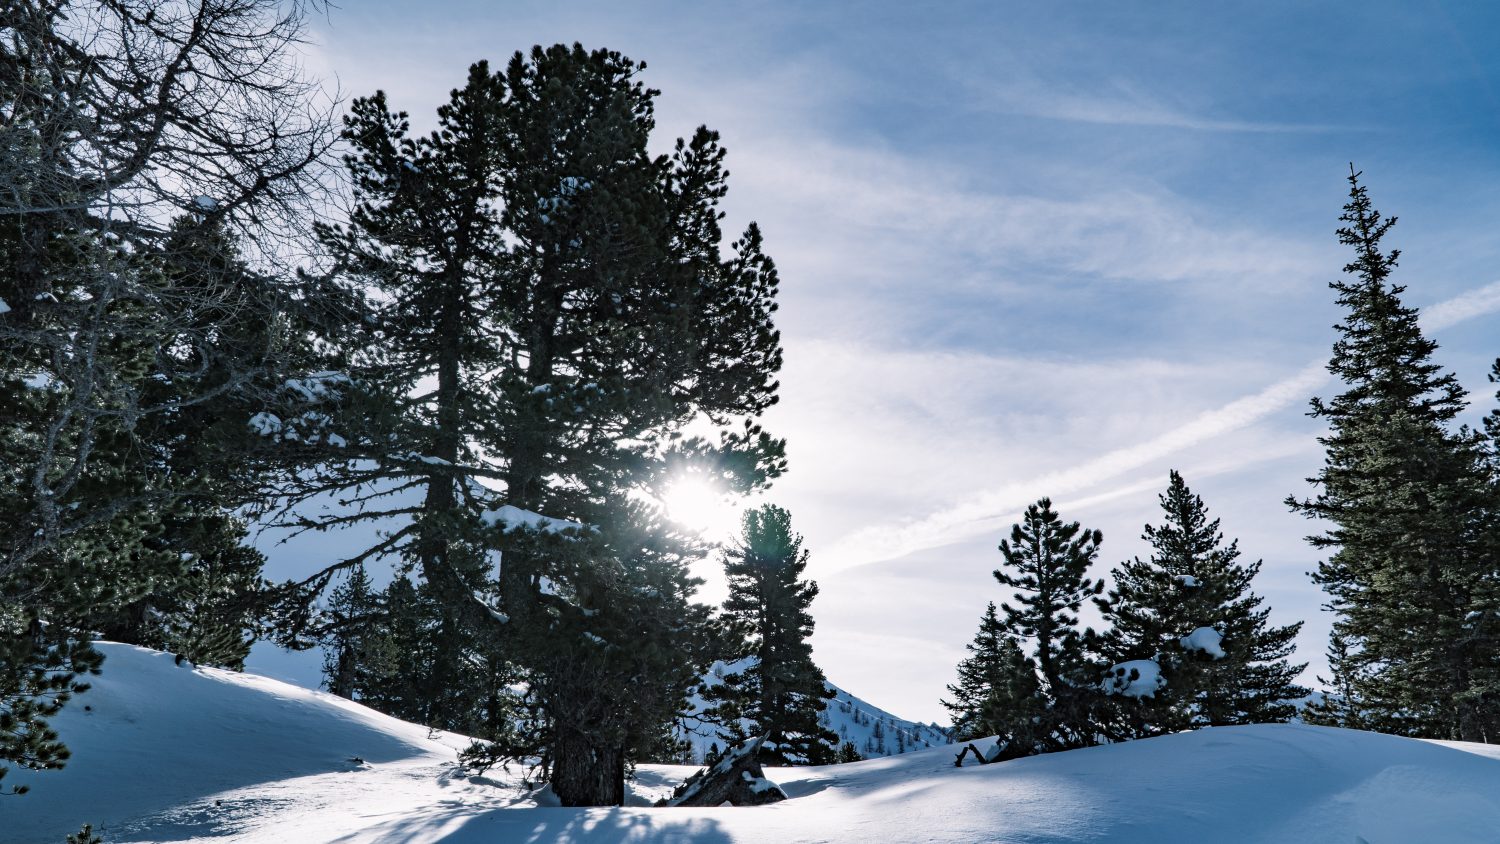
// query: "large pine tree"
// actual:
[[780, 691], [1047, 562], [1410, 509], [1235, 670], [554, 307]]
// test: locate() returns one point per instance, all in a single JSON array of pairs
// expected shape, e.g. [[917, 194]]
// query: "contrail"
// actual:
[[981, 511]]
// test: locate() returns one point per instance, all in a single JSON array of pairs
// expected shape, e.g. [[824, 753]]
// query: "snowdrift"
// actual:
[[171, 753]]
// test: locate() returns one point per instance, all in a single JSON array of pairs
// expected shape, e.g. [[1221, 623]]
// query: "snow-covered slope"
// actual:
[[169, 753], [873, 731]]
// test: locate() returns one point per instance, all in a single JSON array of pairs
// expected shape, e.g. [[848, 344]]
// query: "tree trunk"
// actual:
[[585, 775]]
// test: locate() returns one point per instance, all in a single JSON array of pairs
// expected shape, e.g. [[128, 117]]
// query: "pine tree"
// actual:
[[1341, 704], [848, 753], [998, 693], [1412, 569], [350, 652], [1047, 564], [1492, 421], [555, 307], [781, 692], [1192, 581]]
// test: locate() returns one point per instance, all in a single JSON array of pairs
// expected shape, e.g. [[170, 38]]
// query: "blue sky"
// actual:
[[1038, 249]]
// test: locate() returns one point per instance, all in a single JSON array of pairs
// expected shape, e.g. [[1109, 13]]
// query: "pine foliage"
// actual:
[[997, 693], [780, 692], [1412, 511], [1047, 563], [1194, 580]]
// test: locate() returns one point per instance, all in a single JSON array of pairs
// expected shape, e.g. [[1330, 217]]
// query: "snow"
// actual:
[[1205, 639], [1135, 678], [508, 517], [266, 424], [173, 753], [317, 385], [1187, 581], [494, 613]]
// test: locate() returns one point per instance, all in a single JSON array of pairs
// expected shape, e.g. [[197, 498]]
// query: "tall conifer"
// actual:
[[781, 691], [1411, 569], [555, 307]]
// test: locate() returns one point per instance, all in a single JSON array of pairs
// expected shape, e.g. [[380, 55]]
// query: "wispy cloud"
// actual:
[[982, 511], [1465, 306], [1117, 103]]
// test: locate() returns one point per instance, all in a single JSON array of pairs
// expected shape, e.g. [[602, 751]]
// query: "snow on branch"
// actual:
[[1135, 678]]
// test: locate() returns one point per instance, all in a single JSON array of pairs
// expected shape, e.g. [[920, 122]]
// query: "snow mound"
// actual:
[[171, 753], [155, 739]]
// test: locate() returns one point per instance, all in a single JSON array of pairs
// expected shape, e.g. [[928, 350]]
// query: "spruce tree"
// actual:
[[1411, 509], [1237, 673], [781, 692], [1492, 420], [1047, 563], [997, 693]]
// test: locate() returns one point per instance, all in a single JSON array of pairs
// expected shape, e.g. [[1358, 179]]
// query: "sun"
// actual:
[[700, 506]]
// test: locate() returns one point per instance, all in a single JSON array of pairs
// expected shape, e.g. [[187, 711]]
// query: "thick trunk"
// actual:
[[586, 775], [343, 679]]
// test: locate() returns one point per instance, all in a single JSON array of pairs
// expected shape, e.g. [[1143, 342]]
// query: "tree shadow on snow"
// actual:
[[555, 826]]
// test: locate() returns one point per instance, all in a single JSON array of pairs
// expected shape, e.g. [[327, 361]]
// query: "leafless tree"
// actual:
[[120, 122], [158, 161]]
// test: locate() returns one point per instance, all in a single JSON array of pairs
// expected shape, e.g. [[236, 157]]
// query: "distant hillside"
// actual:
[[872, 730]]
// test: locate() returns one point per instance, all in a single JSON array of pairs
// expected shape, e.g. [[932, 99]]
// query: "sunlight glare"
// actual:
[[700, 507]]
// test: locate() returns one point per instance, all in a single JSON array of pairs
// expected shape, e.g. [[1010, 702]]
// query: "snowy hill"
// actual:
[[170, 753], [872, 730], [875, 732]]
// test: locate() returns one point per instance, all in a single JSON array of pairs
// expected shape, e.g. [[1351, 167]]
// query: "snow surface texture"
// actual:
[[873, 731], [169, 753]]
